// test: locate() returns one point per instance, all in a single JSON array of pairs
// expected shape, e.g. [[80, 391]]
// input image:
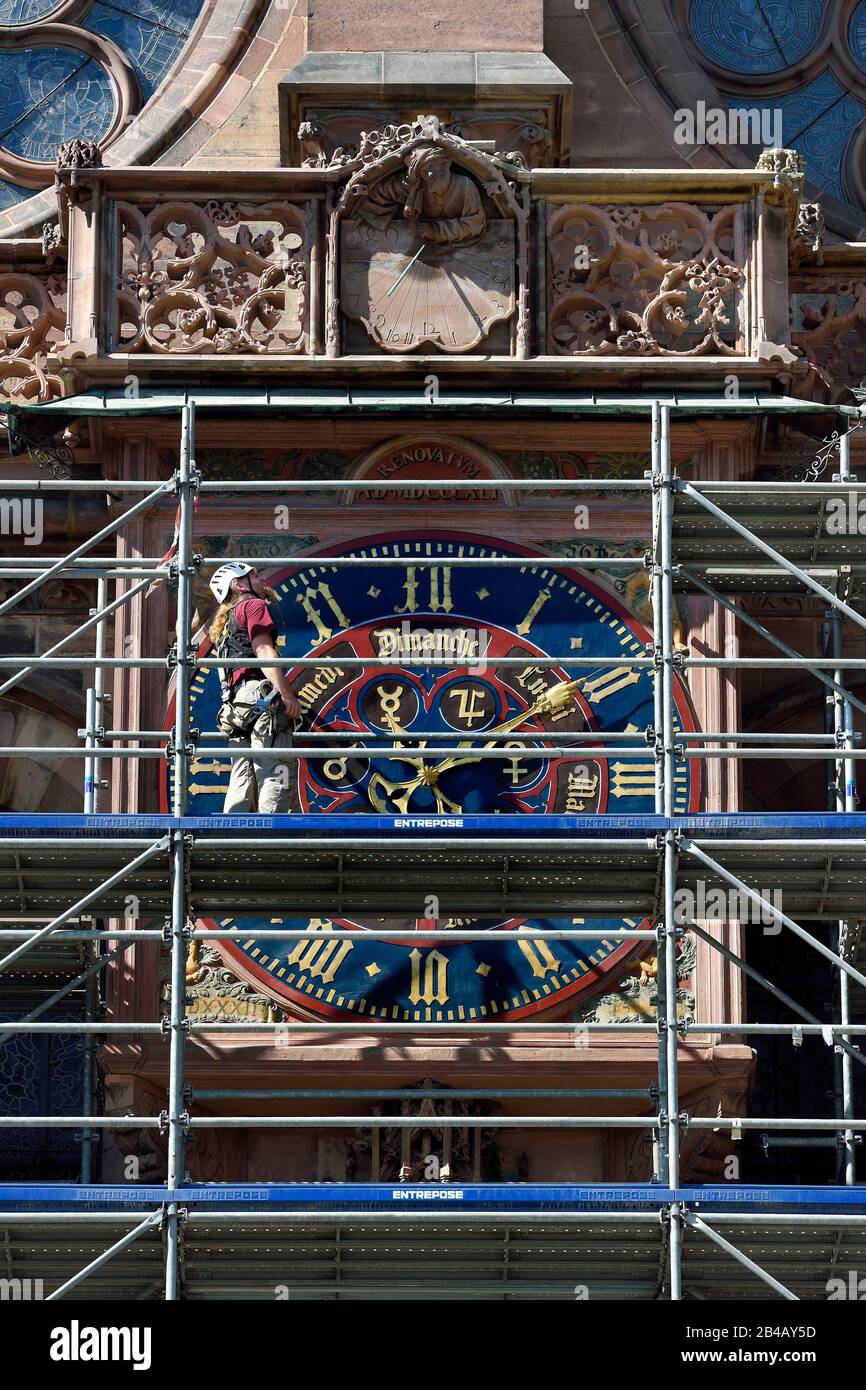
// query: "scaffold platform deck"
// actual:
[[485, 865], [497, 1242]]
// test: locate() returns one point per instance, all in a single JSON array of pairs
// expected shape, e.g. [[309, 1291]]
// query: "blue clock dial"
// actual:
[[471, 638]]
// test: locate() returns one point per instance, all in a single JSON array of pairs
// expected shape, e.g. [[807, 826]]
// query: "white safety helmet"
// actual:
[[223, 578]]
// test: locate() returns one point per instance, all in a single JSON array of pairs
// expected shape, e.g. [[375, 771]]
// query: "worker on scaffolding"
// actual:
[[258, 709]]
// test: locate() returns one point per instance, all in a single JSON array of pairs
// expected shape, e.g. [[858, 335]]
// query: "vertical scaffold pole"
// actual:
[[657, 605], [669, 983], [93, 718], [91, 999], [187, 480], [660, 1148], [846, 800], [99, 680], [90, 722]]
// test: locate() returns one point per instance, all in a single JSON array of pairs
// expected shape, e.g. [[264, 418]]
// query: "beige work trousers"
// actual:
[[260, 784]]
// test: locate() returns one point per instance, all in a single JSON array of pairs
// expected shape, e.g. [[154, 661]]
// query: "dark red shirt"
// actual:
[[255, 616]]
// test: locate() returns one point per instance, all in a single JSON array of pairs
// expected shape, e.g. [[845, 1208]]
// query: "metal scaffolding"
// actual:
[[664, 1238]]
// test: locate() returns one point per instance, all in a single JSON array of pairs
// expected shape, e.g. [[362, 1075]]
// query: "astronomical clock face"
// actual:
[[409, 294], [444, 615]]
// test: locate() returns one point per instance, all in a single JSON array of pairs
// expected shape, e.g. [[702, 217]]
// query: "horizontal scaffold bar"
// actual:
[[290, 663], [394, 751], [500, 1025], [298, 934], [762, 1122], [815, 1030], [117, 566], [253, 485], [79, 1122], [120, 1122], [370, 1026], [466, 750], [732, 486], [424, 1093], [549, 735]]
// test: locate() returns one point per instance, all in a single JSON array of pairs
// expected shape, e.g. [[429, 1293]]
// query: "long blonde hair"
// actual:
[[217, 627]]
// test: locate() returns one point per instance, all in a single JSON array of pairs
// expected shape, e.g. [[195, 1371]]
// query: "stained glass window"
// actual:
[[817, 121], [761, 43], [25, 11], [12, 193], [857, 35], [51, 95], [150, 34], [41, 1075], [756, 36]]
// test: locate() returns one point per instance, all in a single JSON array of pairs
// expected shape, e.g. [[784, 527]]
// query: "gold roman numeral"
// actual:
[[323, 632], [322, 958], [439, 591], [429, 978]]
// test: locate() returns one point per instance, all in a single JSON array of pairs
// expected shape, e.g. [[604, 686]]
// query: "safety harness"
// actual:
[[234, 644], [237, 718]]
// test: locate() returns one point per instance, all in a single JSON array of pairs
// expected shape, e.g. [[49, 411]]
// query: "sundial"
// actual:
[[422, 262]]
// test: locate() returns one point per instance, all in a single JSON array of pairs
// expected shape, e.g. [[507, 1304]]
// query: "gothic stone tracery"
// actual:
[[218, 277], [829, 329], [32, 322], [655, 281]]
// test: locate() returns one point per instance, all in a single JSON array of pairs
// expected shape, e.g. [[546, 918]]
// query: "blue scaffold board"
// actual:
[[474, 1197], [731, 826]]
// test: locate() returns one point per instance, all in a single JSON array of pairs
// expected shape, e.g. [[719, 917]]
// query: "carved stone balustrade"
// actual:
[[416, 245]]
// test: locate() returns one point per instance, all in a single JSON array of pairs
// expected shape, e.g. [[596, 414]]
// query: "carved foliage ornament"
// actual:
[[337, 140], [636, 996], [214, 993], [79, 154], [829, 328], [32, 321], [786, 166], [650, 281], [219, 277], [808, 237]]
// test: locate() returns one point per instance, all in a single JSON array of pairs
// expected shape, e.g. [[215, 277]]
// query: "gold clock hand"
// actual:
[[444, 803], [391, 788], [407, 787], [558, 698], [396, 728], [553, 701]]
